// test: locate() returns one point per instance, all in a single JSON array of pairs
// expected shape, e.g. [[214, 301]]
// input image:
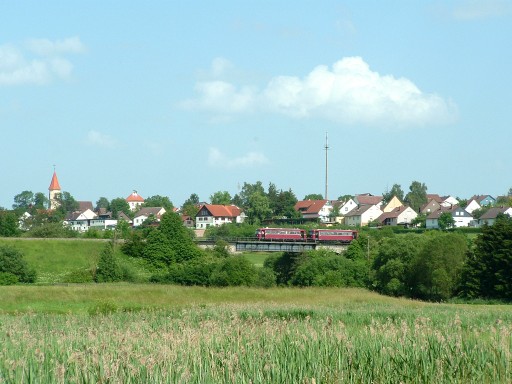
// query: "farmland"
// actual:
[[152, 333], [54, 331]]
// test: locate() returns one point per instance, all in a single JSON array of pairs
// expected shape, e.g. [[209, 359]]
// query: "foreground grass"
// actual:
[[166, 334]]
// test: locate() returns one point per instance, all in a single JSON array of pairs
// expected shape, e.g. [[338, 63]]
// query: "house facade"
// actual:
[[315, 209], [216, 215], [135, 201], [489, 217], [362, 215], [399, 216], [461, 218], [148, 212]]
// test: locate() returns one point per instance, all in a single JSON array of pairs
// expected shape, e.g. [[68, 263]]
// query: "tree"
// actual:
[[191, 206], [488, 273], [159, 201], [417, 195], [345, 198], [258, 208], [396, 190], [13, 268], [40, 201], [158, 249], [103, 203], [242, 199], [445, 221], [220, 198], [8, 224], [179, 237], [108, 269], [436, 270], [23, 201], [119, 205], [314, 196], [66, 203]]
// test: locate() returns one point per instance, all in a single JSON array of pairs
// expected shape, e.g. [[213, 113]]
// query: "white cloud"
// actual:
[[99, 139], [480, 9], [41, 64], [45, 47], [349, 92], [217, 159], [220, 66]]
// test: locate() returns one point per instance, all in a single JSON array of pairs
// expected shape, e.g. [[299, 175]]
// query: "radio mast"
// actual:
[[326, 165]]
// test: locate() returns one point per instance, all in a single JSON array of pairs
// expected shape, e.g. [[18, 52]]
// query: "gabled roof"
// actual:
[[135, 198], [368, 199], [492, 213], [392, 214], [54, 184], [434, 196], [148, 211], [358, 211], [222, 210], [85, 205], [480, 198], [310, 206]]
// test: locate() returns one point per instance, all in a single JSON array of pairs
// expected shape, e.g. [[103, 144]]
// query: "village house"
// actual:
[[401, 215], [143, 214], [489, 217], [362, 215], [216, 215], [315, 209]]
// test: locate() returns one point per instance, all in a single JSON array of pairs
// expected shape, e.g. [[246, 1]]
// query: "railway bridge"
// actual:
[[253, 245]]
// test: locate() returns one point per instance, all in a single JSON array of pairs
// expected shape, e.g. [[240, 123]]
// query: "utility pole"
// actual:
[[326, 165]]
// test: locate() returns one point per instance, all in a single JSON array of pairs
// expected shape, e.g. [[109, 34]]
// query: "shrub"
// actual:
[[234, 271], [7, 278], [12, 263], [108, 269]]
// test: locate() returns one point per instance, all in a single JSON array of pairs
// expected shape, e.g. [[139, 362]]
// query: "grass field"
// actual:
[[146, 333]]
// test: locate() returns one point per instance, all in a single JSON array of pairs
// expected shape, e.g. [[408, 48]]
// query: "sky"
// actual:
[[173, 98]]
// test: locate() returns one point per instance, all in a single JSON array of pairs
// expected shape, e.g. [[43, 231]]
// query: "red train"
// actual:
[[316, 235]]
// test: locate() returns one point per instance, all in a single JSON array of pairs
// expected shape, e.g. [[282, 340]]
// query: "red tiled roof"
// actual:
[[54, 185], [223, 210], [135, 198], [368, 200], [310, 206]]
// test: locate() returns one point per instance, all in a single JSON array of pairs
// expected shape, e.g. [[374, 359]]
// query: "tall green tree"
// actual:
[[396, 190], [242, 199], [179, 238], [23, 200], [191, 206], [40, 201], [103, 203], [417, 195], [118, 205], [488, 273], [436, 270], [258, 208], [66, 203], [220, 198], [159, 201], [108, 269]]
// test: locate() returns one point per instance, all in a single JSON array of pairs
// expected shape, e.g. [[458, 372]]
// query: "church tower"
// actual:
[[54, 191]]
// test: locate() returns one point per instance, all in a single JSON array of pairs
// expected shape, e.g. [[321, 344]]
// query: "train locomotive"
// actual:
[[344, 236]]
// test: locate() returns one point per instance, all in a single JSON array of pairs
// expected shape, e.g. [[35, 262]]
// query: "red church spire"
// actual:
[[54, 185]]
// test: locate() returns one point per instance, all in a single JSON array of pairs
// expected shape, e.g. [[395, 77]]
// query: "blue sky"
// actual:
[[175, 98]]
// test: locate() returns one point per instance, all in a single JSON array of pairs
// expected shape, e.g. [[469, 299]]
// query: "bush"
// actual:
[[234, 271], [108, 269], [12, 263], [323, 268], [7, 278]]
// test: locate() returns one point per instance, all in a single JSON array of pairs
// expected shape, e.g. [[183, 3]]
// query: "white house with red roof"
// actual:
[[315, 209], [135, 201], [216, 215]]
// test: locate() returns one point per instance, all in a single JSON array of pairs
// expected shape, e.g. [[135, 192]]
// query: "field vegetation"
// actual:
[[122, 333]]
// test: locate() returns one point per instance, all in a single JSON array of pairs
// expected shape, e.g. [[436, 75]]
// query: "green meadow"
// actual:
[[148, 333]]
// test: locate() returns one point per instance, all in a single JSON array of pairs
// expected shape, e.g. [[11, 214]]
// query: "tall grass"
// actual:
[[260, 343]]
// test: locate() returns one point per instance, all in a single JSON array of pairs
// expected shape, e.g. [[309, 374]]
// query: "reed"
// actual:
[[259, 343]]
